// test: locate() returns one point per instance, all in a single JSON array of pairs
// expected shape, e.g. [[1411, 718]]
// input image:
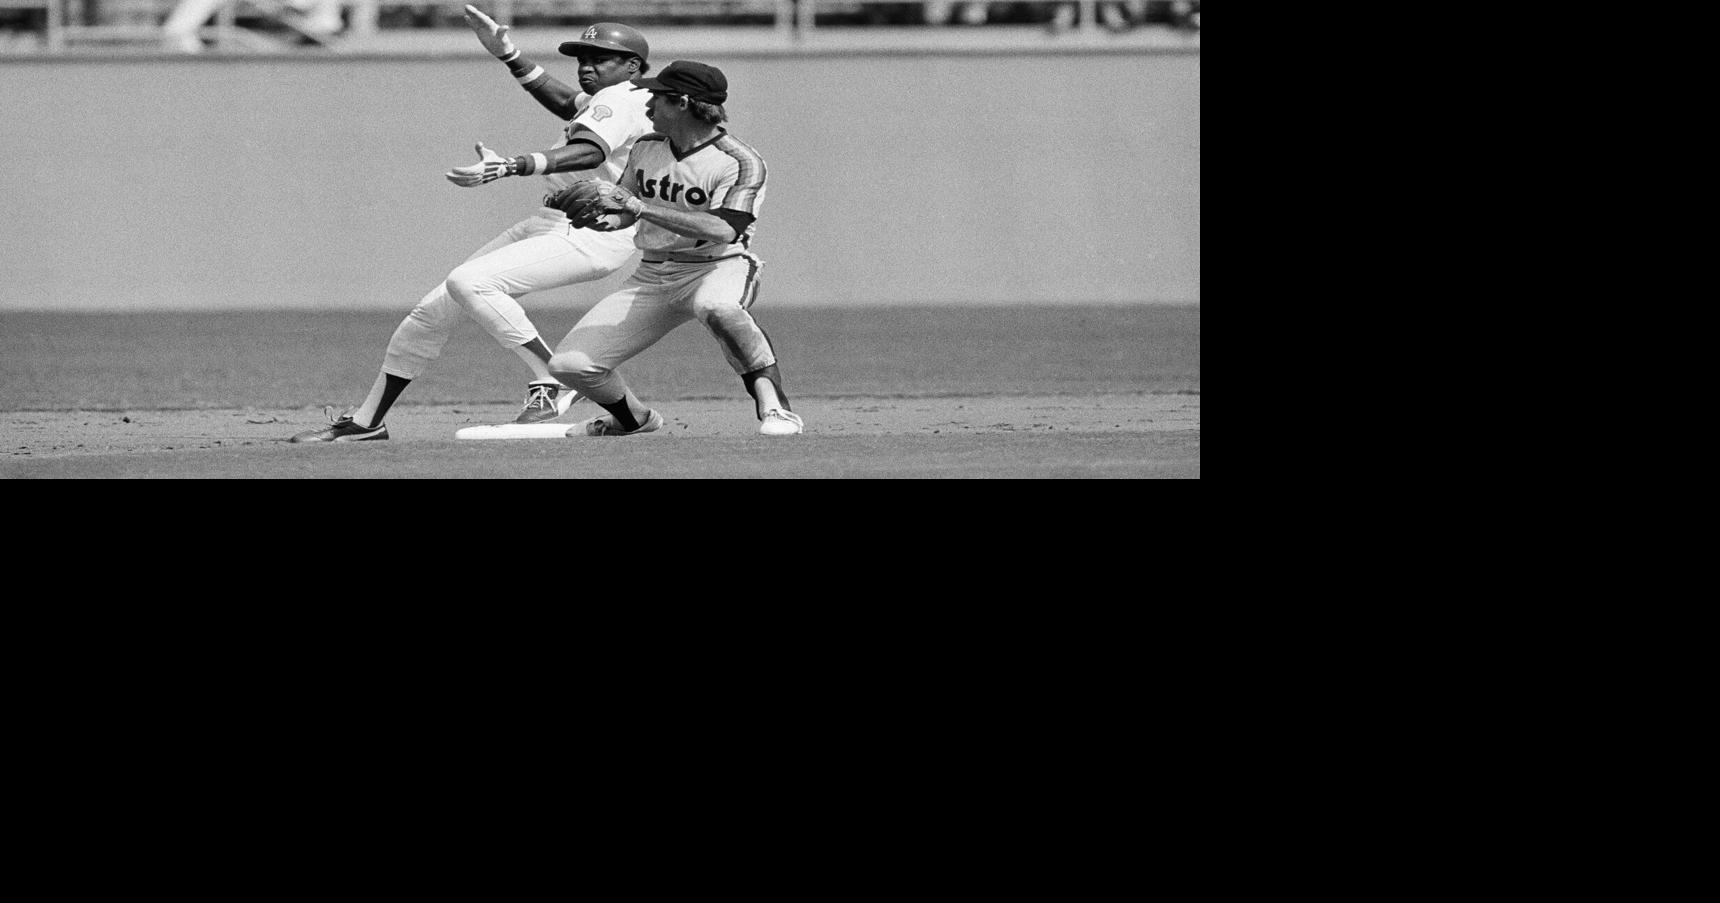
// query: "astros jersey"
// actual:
[[724, 173], [616, 116]]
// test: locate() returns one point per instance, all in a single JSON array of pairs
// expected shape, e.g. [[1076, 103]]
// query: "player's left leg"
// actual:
[[721, 300], [637, 316], [488, 287]]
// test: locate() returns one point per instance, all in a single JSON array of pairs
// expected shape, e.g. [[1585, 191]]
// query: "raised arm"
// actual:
[[555, 97]]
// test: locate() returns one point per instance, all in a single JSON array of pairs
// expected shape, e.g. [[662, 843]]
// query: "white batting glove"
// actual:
[[490, 167], [491, 34]]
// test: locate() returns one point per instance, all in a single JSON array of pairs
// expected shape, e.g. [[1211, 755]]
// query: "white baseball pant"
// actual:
[[656, 299], [537, 253]]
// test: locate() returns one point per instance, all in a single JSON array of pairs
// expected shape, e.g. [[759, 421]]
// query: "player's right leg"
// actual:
[[416, 342], [721, 298]]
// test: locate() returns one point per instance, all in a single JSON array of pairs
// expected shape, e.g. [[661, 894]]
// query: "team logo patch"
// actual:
[[600, 113], [590, 34]]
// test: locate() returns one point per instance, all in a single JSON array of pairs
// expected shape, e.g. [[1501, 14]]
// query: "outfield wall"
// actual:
[[222, 183]]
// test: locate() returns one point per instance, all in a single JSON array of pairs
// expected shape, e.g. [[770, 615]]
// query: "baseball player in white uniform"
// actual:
[[696, 191], [604, 117]]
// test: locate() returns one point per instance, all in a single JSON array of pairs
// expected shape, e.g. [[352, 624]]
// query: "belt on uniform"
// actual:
[[691, 259]]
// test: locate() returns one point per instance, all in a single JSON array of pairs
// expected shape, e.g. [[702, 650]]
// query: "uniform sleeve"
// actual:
[[615, 116], [741, 188]]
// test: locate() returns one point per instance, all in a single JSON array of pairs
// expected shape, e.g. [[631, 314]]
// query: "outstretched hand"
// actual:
[[493, 35], [490, 167]]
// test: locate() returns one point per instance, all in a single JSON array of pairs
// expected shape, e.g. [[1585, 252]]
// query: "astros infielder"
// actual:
[[604, 118], [696, 191]]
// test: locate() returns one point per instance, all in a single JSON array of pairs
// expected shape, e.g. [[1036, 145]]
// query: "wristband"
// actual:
[[527, 164], [635, 206], [532, 76], [511, 56]]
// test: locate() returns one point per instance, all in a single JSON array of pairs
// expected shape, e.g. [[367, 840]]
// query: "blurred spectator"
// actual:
[[317, 18], [1114, 15], [1123, 15], [943, 12], [321, 17], [409, 15], [1190, 14], [1183, 14], [23, 18]]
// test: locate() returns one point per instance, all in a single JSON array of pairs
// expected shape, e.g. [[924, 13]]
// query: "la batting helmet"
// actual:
[[611, 37]]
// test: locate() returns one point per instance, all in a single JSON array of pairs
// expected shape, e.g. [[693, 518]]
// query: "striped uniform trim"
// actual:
[[751, 293], [750, 180]]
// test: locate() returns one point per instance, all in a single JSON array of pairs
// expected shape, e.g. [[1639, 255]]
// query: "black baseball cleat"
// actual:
[[343, 430]]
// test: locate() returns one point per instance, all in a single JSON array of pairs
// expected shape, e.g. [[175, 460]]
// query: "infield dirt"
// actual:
[[910, 393]]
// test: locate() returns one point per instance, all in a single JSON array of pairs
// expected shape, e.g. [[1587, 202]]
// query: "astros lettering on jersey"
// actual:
[[615, 117], [724, 173]]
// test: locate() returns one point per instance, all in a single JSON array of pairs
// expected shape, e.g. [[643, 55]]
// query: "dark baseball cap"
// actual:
[[696, 80]]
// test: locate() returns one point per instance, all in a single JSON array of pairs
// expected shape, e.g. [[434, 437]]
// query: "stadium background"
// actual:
[[999, 164]]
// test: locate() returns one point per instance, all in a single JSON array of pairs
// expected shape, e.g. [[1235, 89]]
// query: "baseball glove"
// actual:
[[587, 202], [575, 201]]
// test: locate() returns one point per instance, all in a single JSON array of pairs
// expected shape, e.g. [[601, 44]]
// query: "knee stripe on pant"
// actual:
[[751, 293]]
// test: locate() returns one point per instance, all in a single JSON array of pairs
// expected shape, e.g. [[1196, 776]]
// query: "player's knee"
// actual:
[[577, 369], [707, 311], [427, 316], [465, 284]]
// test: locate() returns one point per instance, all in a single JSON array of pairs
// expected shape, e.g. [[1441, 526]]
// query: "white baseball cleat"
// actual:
[[778, 422]]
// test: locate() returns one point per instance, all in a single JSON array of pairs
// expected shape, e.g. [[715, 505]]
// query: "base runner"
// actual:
[[603, 118]]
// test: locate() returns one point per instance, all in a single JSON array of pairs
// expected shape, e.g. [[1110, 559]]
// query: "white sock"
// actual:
[[765, 390]]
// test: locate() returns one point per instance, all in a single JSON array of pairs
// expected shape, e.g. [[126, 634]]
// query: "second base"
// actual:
[[514, 431]]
